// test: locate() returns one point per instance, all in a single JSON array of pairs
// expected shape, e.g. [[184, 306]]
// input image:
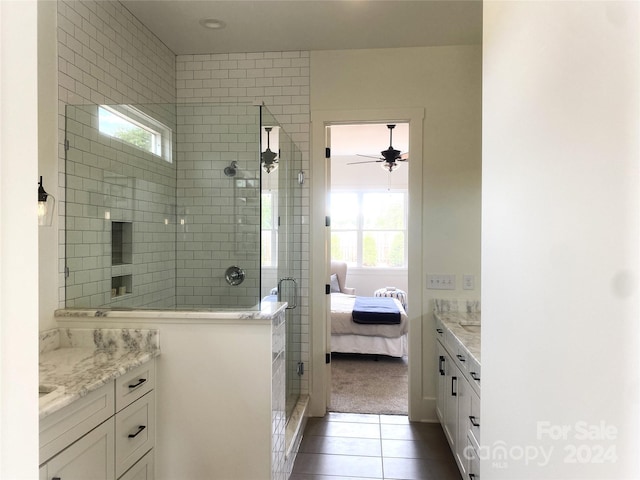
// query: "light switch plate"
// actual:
[[441, 282], [468, 282]]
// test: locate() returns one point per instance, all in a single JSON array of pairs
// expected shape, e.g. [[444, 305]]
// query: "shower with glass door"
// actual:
[[177, 207]]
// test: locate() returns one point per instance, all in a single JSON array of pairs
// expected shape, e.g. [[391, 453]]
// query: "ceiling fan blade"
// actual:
[[404, 157], [367, 161], [369, 156]]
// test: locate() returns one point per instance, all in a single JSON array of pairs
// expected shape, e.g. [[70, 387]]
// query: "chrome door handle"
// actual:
[[295, 291]]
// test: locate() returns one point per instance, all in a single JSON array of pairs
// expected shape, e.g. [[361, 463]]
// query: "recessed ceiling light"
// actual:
[[212, 23]]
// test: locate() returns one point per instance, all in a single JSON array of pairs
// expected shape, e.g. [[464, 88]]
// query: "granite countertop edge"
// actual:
[[71, 368], [454, 321]]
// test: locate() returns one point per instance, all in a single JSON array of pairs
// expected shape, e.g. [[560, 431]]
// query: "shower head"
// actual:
[[231, 170]]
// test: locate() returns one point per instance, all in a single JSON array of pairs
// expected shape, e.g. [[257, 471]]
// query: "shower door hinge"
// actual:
[[300, 368], [327, 152], [327, 358], [66, 272], [327, 221], [66, 144]]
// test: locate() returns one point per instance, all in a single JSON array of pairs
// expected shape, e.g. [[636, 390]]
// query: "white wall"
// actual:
[[446, 82], [560, 242], [48, 254], [220, 391], [18, 240]]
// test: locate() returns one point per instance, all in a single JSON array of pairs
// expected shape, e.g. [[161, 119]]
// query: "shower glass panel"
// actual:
[[152, 219], [169, 207], [281, 240]]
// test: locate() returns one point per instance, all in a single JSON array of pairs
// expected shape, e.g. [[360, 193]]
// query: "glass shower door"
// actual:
[[281, 240]]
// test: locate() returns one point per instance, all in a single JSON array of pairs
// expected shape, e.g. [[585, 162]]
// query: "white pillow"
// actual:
[[335, 284]]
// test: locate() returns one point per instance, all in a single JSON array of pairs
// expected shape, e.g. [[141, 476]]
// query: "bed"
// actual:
[[349, 336]]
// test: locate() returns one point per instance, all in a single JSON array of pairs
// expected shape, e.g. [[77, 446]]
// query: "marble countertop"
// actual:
[[264, 311], [75, 361], [465, 327]]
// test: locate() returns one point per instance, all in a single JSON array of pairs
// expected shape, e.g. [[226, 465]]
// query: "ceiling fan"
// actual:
[[389, 156]]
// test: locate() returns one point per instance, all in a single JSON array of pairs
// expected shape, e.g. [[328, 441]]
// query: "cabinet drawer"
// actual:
[[439, 330], [474, 374], [135, 432], [462, 359], [90, 458], [474, 419], [142, 470], [65, 426], [134, 384]]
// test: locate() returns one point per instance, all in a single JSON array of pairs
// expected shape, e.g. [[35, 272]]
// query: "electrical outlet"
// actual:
[[468, 282], [441, 282]]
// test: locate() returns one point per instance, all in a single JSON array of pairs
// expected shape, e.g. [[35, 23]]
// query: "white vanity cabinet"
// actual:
[[91, 457], [458, 400], [107, 435]]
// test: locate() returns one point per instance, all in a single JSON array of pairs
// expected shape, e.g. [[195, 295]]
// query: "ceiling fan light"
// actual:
[[389, 167], [268, 159]]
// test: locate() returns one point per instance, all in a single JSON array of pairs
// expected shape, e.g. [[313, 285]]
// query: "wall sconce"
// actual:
[[46, 204]]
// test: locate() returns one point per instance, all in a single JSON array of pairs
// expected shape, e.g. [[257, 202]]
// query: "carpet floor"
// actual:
[[369, 384]]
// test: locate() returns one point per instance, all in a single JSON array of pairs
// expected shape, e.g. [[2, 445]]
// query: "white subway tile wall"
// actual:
[[120, 224], [278, 387], [218, 215], [106, 56], [281, 81]]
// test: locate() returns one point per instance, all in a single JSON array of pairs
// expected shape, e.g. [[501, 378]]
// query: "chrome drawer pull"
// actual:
[[475, 376], [140, 429], [461, 358], [473, 421]]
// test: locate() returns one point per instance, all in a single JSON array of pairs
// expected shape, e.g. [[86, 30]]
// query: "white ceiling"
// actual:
[[285, 25]]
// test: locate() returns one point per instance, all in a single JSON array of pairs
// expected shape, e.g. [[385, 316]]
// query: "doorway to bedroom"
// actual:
[[369, 199]]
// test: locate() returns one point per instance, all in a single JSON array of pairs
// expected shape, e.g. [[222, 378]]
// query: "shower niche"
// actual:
[[121, 258], [121, 243]]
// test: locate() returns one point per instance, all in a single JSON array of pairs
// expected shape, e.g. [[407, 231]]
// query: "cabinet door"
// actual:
[[441, 381], [90, 458], [473, 462], [474, 418], [464, 424], [452, 379], [143, 470]]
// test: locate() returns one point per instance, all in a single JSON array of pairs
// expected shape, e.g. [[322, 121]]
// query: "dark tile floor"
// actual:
[[373, 447]]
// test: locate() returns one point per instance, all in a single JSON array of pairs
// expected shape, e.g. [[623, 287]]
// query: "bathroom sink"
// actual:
[[471, 328], [46, 390]]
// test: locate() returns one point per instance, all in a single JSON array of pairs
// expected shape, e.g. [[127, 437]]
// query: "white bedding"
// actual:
[[343, 324]]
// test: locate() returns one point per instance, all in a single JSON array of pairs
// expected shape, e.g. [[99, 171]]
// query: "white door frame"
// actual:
[[319, 301]]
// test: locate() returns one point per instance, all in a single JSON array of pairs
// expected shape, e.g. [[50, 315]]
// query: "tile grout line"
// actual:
[[381, 452]]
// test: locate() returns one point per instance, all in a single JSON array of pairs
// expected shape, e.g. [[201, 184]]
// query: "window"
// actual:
[[368, 229], [269, 241], [130, 125]]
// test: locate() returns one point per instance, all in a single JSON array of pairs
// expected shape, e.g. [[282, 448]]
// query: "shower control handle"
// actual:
[[234, 275]]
